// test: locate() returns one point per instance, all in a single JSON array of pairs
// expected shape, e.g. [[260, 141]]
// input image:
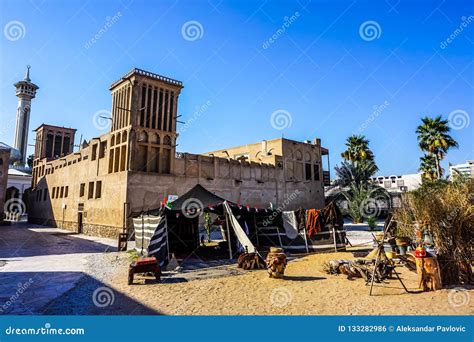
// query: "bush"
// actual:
[[372, 222], [446, 209]]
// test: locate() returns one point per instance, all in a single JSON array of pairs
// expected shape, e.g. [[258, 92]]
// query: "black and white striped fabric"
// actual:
[[151, 236], [158, 246]]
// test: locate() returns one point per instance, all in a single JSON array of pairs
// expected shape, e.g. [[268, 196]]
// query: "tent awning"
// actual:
[[198, 195]]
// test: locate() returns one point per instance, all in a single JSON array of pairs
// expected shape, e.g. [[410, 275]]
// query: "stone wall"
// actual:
[[101, 230], [247, 183]]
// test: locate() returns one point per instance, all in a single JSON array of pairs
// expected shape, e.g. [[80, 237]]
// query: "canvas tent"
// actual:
[[245, 226], [199, 195], [151, 236]]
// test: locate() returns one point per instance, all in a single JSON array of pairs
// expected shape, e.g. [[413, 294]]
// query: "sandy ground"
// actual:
[[66, 274], [306, 290]]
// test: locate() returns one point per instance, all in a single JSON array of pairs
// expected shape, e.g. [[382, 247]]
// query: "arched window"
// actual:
[[154, 138], [142, 136]]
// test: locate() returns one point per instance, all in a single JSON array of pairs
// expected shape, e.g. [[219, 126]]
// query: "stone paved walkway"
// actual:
[[39, 264]]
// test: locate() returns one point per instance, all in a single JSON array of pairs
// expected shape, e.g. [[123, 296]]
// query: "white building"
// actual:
[[397, 185], [466, 169], [401, 183], [18, 182]]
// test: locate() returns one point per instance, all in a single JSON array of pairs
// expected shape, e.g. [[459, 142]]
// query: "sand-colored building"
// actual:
[[135, 166]]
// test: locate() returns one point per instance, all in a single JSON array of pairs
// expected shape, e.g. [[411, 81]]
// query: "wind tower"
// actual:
[[25, 91]]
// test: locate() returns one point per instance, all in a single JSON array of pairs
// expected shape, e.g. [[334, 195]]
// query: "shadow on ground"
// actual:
[[25, 240], [36, 293]]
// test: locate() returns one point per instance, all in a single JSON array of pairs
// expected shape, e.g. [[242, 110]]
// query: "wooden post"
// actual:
[[306, 240], [380, 246], [167, 239], [279, 238], [143, 234], [334, 238], [429, 277], [256, 228], [228, 230]]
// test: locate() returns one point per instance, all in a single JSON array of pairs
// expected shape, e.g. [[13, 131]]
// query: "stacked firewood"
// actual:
[[251, 261], [360, 268]]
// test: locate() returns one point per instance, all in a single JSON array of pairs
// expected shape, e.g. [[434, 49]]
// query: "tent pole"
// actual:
[[167, 240], [377, 260], [334, 237], [228, 231], [143, 234], [306, 240], [256, 228], [279, 237]]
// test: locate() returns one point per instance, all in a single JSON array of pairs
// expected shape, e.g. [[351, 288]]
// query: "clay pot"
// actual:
[[276, 263]]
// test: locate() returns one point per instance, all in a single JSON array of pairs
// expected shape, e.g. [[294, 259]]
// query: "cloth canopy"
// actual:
[[151, 236], [197, 196], [290, 224], [239, 232]]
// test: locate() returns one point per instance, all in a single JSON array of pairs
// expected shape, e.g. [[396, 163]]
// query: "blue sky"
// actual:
[[323, 71]]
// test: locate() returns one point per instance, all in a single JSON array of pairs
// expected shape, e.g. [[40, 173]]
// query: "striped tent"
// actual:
[[151, 236]]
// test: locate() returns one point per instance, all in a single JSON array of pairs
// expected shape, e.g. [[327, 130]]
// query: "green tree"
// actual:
[[434, 138], [208, 225], [361, 196], [359, 174], [363, 201], [357, 149]]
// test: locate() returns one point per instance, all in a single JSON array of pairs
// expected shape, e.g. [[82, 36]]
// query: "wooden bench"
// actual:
[[144, 265]]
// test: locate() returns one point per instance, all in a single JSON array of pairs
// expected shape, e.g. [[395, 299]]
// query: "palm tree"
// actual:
[[361, 196], [357, 149], [434, 138], [428, 167], [363, 202], [359, 174]]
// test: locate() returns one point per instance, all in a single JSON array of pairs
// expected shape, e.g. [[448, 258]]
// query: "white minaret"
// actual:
[[25, 90]]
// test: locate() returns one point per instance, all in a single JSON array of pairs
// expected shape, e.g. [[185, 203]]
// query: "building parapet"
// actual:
[[136, 71]]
